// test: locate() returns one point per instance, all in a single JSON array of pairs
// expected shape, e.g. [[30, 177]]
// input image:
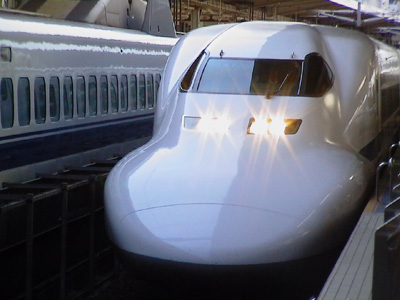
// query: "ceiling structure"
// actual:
[[190, 14], [343, 13]]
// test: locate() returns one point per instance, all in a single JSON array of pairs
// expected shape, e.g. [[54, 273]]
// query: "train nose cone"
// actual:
[[209, 234]]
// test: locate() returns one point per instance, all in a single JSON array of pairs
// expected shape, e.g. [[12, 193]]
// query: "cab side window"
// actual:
[[317, 78], [188, 78]]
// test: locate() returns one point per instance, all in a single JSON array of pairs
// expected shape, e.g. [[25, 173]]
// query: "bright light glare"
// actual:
[[277, 127], [220, 125], [259, 127], [271, 127]]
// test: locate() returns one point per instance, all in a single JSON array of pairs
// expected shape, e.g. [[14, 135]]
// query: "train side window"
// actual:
[[124, 93], [68, 98], [54, 99], [114, 93], [7, 103], [133, 92], [81, 96], [40, 100], [104, 94], [317, 78], [157, 86], [150, 90], [92, 95], [142, 91], [24, 101]]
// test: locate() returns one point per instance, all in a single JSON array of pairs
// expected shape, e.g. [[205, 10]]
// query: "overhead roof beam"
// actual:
[[340, 18], [294, 6], [298, 9], [292, 2]]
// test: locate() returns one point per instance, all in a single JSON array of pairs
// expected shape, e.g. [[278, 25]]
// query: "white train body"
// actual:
[[209, 189], [72, 92]]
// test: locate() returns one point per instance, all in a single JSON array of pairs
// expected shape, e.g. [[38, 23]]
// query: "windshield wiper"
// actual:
[[268, 96]]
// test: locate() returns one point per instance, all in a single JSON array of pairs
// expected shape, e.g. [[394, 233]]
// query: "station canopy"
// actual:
[[369, 16], [380, 18]]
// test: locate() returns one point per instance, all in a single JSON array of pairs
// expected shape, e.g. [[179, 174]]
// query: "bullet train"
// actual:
[[266, 139], [73, 92]]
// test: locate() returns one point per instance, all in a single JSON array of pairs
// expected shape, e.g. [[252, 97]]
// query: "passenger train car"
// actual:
[[72, 92], [265, 142]]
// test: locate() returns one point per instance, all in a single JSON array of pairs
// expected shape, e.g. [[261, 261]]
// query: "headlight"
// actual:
[[273, 126], [219, 125]]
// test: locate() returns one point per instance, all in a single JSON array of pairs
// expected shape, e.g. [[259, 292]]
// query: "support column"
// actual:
[[195, 16], [359, 21]]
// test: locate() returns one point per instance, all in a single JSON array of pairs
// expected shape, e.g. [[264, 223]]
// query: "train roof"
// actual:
[[51, 28], [279, 40], [274, 40]]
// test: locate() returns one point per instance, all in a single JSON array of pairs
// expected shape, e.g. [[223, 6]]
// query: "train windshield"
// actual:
[[254, 77], [311, 77]]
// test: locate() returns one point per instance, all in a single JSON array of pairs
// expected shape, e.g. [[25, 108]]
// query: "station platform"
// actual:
[[352, 276]]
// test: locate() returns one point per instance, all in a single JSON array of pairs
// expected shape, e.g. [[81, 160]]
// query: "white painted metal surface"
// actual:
[[233, 198]]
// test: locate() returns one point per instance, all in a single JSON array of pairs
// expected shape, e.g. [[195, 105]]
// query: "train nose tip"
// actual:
[[209, 234]]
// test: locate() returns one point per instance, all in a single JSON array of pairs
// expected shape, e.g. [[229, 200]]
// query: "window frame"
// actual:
[[204, 59]]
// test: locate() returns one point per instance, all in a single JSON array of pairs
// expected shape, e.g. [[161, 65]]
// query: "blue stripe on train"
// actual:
[[74, 127], [17, 154]]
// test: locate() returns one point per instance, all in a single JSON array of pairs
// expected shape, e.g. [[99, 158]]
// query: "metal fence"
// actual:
[[53, 243], [386, 274]]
